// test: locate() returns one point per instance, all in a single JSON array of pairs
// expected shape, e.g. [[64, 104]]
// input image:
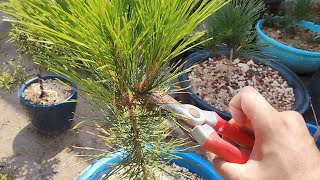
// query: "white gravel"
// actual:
[[209, 81]]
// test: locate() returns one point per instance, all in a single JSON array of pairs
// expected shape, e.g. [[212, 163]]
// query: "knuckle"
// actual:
[[294, 115]]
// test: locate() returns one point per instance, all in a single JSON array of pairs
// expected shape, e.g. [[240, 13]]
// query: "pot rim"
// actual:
[[281, 45], [46, 76]]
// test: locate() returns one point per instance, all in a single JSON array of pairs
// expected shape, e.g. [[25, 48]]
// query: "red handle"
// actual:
[[215, 144], [234, 133]]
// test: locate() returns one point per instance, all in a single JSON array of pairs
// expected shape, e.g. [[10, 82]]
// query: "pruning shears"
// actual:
[[206, 126]]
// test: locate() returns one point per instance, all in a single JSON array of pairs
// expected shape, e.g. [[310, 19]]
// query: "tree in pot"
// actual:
[[43, 97], [291, 38], [215, 81], [118, 52]]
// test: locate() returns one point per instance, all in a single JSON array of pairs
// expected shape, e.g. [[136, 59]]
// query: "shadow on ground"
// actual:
[[35, 154]]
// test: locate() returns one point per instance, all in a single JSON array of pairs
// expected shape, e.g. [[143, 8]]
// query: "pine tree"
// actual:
[[117, 51]]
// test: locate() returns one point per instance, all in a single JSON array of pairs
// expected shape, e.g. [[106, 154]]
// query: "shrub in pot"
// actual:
[[45, 98], [291, 39], [183, 158], [119, 53], [51, 111], [216, 78]]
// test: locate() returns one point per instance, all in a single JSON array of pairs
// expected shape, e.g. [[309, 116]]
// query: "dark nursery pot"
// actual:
[[53, 118], [314, 91], [300, 91], [180, 59], [194, 163]]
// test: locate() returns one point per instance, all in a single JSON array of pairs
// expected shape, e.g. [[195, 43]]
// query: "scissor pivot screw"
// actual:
[[194, 112]]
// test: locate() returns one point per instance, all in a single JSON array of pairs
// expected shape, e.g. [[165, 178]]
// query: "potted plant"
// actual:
[[216, 78], [191, 161], [44, 97], [291, 39], [118, 52]]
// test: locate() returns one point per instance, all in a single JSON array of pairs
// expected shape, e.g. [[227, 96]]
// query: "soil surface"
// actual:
[[209, 80], [54, 91], [304, 39]]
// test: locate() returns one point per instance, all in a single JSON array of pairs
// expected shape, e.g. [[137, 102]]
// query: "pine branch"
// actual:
[[117, 52]]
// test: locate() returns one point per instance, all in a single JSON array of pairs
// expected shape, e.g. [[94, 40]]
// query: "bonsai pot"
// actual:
[[300, 61], [52, 118], [300, 91], [191, 161]]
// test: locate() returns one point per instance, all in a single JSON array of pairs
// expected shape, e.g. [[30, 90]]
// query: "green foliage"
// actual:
[[312, 39], [233, 24], [4, 177], [298, 10], [30, 43], [152, 131], [12, 75], [117, 52]]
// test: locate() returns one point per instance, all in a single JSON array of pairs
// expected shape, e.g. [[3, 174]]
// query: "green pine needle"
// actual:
[[12, 74], [233, 25], [116, 51]]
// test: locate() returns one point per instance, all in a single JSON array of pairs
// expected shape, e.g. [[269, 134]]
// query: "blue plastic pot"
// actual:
[[191, 161], [312, 129], [300, 91], [300, 61], [53, 118]]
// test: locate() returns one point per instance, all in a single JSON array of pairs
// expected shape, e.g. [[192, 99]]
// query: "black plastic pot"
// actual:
[[314, 91], [300, 91], [53, 118]]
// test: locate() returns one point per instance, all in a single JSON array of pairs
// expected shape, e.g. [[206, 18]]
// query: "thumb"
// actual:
[[226, 169]]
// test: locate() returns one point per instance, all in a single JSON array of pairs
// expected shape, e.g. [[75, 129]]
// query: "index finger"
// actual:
[[250, 107]]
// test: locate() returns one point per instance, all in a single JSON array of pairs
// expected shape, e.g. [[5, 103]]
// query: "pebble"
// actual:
[[244, 67], [217, 92]]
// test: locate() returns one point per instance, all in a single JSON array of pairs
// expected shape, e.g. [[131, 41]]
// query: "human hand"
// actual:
[[283, 147]]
